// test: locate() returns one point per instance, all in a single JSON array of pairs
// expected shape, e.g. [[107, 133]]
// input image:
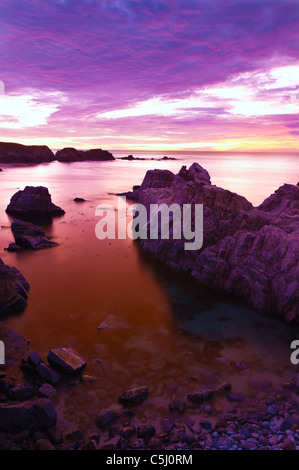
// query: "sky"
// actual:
[[150, 74]]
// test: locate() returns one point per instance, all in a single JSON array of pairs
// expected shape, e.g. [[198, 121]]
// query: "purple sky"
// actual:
[[156, 74]]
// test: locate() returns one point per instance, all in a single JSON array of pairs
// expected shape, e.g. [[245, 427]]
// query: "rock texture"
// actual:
[[66, 360], [70, 154], [13, 290], [18, 153], [252, 252], [33, 201], [28, 236]]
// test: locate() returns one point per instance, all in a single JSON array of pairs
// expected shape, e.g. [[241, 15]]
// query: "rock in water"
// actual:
[[66, 360], [18, 153], [133, 397], [70, 154], [33, 201], [13, 290], [30, 236], [252, 252], [30, 415]]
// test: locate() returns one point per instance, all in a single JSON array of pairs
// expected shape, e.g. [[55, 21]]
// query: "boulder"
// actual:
[[13, 290], [134, 397], [66, 360], [70, 154], [18, 153], [30, 236], [33, 202], [33, 415]]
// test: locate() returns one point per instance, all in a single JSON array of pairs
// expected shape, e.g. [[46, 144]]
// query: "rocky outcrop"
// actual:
[[35, 202], [13, 290], [252, 252], [28, 236], [70, 154], [18, 153]]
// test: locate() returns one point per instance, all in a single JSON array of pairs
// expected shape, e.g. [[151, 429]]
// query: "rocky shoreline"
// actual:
[[252, 252], [213, 417]]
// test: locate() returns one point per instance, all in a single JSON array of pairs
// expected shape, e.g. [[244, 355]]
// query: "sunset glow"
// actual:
[[153, 74]]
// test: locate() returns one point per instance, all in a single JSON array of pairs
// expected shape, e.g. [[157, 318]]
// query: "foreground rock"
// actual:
[[252, 252], [16, 346], [70, 154], [29, 236], [30, 415], [66, 360], [13, 290], [134, 397], [18, 153], [33, 201]]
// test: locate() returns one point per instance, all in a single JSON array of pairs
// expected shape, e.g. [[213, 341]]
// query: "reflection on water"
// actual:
[[162, 330]]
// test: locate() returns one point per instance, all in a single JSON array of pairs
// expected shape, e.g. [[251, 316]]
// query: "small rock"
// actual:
[[200, 397], [46, 391], [48, 374], [44, 444], [134, 396], [108, 419]]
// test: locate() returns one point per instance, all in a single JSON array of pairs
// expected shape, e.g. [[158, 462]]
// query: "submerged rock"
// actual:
[[13, 290], [66, 360], [29, 236], [70, 154], [33, 201]]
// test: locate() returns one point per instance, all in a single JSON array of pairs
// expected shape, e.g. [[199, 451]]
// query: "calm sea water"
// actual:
[[162, 331]]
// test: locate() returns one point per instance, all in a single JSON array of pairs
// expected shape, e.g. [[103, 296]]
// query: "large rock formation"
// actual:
[[18, 153], [28, 236], [33, 202], [13, 290], [70, 154], [252, 252]]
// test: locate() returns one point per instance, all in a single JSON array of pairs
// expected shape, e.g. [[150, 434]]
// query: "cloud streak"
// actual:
[[162, 65]]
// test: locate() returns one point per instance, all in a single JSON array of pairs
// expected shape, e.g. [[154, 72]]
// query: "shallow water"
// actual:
[[162, 331]]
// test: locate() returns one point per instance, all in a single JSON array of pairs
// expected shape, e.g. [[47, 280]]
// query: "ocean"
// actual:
[[162, 330]]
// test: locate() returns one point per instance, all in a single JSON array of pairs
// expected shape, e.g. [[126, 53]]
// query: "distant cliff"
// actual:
[[18, 153]]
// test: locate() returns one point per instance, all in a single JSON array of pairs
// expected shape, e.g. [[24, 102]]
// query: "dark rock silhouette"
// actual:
[[13, 290], [70, 154], [29, 236], [17, 153], [33, 201]]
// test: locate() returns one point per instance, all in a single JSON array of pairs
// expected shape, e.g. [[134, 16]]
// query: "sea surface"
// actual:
[[162, 330]]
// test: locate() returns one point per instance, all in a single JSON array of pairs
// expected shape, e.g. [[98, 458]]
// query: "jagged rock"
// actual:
[[13, 290], [33, 201], [30, 415], [70, 154], [252, 252], [134, 396], [18, 153], [66, 360], [29, 236], [157, 179]]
